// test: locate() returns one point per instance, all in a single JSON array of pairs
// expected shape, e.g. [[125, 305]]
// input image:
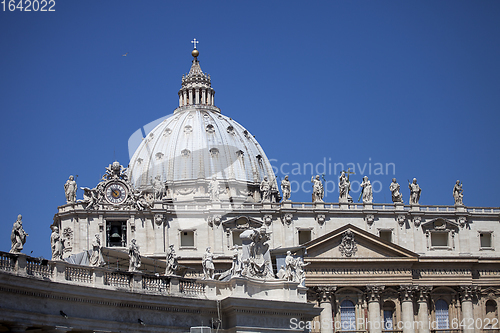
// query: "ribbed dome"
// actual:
[[195, 144]]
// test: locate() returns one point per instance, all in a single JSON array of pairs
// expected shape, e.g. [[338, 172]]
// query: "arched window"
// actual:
[[388, 315], [491, 314], [347, 316], [442, 317]]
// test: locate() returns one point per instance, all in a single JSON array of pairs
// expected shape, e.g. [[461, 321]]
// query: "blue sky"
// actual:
[[412, 83]]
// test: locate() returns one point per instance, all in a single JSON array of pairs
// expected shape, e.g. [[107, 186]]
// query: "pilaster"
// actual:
[[373, 298]]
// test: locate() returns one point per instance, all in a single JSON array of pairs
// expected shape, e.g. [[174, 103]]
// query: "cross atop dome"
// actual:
[[194, 41]]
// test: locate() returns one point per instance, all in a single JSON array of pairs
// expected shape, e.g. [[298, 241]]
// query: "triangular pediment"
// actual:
[[358, 243], [440, 224]]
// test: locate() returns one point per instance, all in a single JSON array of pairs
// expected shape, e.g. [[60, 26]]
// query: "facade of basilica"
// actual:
[[200, 192]]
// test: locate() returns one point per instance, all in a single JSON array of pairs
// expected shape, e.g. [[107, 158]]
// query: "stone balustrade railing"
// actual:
[[138, 282], [309, 205], [98, 277]]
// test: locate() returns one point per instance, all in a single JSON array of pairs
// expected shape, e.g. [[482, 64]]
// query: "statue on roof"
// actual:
[[208, 265], [18, 235], [134, 256], [366, 190], [318, 190], [415, 191], [70, 188], [56, 244], [286, 189], [458, 194], [172, 265], [396, 195], [265, 190], [96, 258], [214, 189]]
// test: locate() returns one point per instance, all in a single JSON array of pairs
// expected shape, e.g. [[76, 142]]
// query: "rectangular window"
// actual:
[[187, 238], [236, 237], [386, 235], [439, 239], [485, 240], [304, 236], [388, 320]]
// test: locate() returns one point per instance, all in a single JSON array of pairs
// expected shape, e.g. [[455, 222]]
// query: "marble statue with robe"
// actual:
[[415, 191], [286, 189], [318, 190], [18, 235], [367, 191], [458, 193], [96, 258], [134, 256], [70, 188], [56, 244], [396, 195]]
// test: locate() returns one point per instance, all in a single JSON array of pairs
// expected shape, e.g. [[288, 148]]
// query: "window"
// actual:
[[116, 233], [491, 314], [388, 308], [485, 240], [304, 236], [236, 237], [386, 235], [187, 238], [442, 315], [347, 316], [439, 239]]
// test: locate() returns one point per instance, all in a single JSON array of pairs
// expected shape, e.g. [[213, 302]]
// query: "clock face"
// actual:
[[116, 193]]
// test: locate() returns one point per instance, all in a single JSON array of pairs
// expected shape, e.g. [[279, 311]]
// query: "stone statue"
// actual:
[[265, 190], [56, 244], [318, 191], [256, 257], [208, 265], [18, 235], [290, 266], [275, 194], [415, 191], [70, 188], [214, 189], [344, 187], [300, 273], [286, 189], [367, 191], [458, 194], [172, 264], [158, 188], [96, 258], [134, 257], [396, 195], [235, 269], [281, 273]]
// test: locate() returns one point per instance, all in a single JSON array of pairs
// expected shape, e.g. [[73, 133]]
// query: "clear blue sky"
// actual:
[[413, 83]]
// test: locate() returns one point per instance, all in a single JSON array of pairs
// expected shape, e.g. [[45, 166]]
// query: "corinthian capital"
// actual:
[[373, 292], [406, 292], [467, 293]]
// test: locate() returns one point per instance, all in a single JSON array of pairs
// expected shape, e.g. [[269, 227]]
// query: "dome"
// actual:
[[197, 143]]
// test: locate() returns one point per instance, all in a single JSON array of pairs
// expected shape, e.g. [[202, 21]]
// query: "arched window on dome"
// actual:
[[347, 316], [442, 315]]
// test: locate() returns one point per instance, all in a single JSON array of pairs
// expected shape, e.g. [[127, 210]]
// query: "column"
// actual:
[[325, 296], [180, 99], [197, 96], [190, 97], [423, 309], [406, 296], [466, 295], [212, 95], [204, 96], [184, 98], [374, 321]]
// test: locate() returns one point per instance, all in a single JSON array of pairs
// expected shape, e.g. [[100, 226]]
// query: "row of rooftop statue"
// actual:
[[366, 194], [253, 261], [268, 190]]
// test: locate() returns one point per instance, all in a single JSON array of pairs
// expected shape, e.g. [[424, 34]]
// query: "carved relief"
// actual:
[[68, 238], [348, 245], [268, 219], [185, 190], [287, 218], [462, 221], [185, 152], [321, 218], [214, 219], [188, 129], [159, 218], [417, 220], [401, 220], [370, 218]]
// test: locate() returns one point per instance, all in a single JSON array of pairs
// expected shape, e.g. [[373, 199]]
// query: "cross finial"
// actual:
[[194, 41]]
